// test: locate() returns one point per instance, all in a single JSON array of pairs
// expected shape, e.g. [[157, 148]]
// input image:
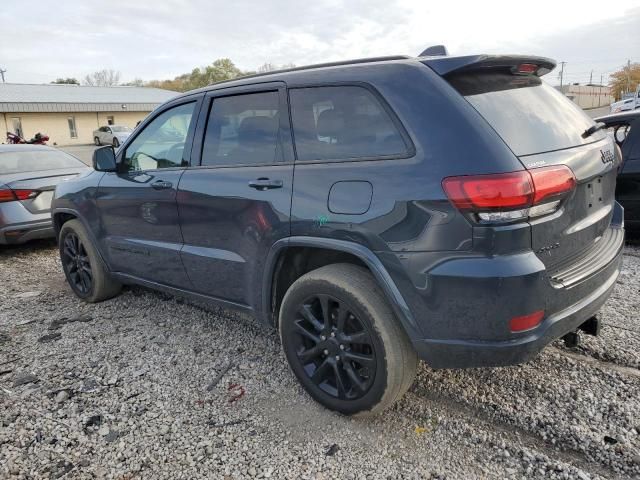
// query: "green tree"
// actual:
[[625, 80], [70, 80]]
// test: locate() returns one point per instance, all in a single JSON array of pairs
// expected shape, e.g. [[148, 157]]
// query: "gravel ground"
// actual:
[[149, 386]]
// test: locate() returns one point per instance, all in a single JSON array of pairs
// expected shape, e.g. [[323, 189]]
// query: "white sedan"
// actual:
[[111, 135]]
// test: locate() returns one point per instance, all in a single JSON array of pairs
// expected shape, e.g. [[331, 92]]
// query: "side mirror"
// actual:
[[104, 159]]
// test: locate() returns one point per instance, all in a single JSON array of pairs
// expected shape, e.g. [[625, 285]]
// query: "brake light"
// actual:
[[527, 68], [551, 182], [490, 192], [511, 196], [8, 195], [526, 322]]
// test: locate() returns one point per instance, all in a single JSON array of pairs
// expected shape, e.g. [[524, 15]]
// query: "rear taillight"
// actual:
[[8, 195], [511, 196]]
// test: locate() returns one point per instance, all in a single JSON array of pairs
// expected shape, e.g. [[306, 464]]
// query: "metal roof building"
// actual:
[[70, 113], [16, 97]]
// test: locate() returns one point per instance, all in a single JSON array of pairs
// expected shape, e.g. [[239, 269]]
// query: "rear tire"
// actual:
[[85, 272], [96, 140], [343, 341]]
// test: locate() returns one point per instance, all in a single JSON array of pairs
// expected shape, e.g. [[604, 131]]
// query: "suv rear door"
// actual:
[[543, 128], [237, 202]]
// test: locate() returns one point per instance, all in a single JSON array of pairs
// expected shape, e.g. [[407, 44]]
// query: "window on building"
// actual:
[[242, 130], [110, 120], [16, 124], [342, 122], [73, 131], [161, 143]]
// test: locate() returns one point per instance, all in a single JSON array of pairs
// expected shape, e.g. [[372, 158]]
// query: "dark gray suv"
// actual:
[[453, 209]]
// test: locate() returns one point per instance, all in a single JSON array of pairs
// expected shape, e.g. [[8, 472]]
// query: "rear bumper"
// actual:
[[463, 306], [23, 232], [470, 353]]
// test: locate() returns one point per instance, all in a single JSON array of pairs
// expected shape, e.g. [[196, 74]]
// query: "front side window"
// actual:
[[161, 144], [342, 122], [73, 132], [243, 130]]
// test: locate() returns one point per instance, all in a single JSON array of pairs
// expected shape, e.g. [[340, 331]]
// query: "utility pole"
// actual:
[[600, 91], [591, 78], [562, 64], [2, 74], [628, 76]]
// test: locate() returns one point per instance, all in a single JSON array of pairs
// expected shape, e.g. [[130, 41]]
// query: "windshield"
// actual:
[[118, 129], [530, 116], [34, 161]]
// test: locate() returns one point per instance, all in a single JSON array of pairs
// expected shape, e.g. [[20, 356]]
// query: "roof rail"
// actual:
[[319, 65]]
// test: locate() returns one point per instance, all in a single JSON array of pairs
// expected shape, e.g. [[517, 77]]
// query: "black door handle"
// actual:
[[265, 184], [161, 185]]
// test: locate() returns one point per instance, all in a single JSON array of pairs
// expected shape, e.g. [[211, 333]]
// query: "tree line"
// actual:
[[218, 71], [624, 80]]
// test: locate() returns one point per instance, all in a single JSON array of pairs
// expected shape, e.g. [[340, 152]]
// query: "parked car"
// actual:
[[629, 102], [28, 176], [625, 129], [454, 209], [111, 135]]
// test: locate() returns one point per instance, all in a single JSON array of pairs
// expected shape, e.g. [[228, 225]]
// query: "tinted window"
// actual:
[[33, 161], [161, 143], [342, 123], [242, 129], [529, 115]]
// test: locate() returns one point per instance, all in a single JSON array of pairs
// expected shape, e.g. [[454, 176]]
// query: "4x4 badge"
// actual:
[[606, 156]]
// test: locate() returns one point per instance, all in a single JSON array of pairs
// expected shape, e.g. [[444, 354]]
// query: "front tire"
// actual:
[[96, 140], [343, 342], [83, 267], [116, 143]]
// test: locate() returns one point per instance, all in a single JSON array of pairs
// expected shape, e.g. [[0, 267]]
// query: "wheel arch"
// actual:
[[345, 251], [60, 216]]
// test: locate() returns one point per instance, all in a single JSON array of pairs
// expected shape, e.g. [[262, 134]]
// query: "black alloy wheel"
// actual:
[[77, 264], [334, 347]]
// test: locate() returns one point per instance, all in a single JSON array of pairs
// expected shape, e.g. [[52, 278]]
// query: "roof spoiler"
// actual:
[[516, 64]]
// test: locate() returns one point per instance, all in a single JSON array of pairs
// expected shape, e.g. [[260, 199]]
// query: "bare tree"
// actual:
[[102, 78]]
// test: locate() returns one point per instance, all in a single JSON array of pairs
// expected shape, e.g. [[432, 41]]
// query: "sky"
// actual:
[[162, 39]]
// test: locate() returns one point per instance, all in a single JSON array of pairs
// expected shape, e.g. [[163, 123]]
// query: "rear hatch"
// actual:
[[544, 128]]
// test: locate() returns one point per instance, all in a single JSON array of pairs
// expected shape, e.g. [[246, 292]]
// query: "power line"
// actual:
[[562, 64]]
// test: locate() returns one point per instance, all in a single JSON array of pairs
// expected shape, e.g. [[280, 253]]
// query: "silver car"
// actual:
[[28, 177], [111, 135]]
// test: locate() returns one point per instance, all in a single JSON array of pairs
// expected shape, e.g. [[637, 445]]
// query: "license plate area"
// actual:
[[594, 194]]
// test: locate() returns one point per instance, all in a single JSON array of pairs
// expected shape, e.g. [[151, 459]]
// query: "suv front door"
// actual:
[[139, 214], [237, 202]]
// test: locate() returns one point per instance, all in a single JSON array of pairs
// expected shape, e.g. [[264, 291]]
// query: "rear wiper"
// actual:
[[593, 129]]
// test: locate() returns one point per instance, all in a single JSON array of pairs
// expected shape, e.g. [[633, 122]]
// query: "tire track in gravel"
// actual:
[[552, 402], [603, 363], [511, 434]]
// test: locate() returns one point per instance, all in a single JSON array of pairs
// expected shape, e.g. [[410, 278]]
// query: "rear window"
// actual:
[[529, 115], [34, 161], [342, 122]]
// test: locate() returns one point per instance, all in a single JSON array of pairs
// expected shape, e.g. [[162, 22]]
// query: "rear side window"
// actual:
[[342, 122], [243, 130], [530, 116]]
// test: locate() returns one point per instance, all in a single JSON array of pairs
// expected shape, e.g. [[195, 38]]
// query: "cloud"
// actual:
[[150, 39]]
